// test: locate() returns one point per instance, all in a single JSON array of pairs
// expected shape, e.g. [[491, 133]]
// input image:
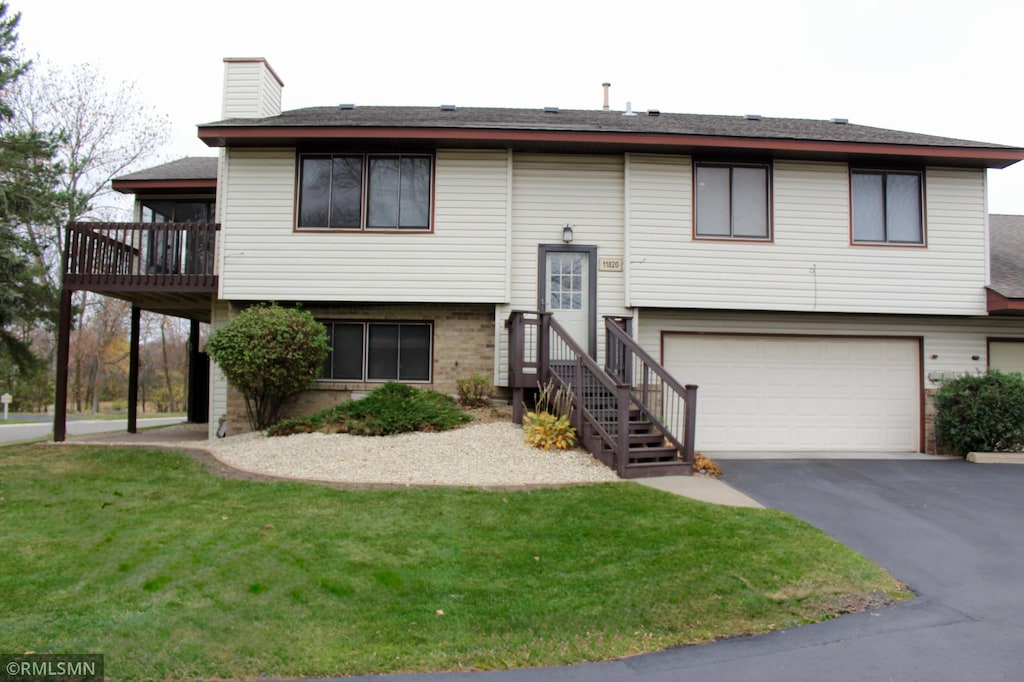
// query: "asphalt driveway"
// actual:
[[954, 532]]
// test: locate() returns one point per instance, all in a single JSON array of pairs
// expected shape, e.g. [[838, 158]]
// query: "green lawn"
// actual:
[[173, 573]]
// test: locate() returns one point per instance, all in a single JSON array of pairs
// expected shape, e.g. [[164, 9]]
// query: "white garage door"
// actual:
[[791, 393]]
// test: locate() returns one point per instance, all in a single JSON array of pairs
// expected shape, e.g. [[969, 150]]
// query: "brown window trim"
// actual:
[[883, 170], [770, 208], [364, 194]]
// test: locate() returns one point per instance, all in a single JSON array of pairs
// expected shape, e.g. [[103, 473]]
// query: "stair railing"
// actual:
[[671, 406], [541, 350]]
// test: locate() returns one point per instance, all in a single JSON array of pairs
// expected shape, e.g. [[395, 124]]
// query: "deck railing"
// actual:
[[175, 256]]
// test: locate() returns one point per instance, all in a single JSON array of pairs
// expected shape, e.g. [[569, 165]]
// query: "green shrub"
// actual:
[[474, 391], [269, 353], [392, 408], [981, 413]]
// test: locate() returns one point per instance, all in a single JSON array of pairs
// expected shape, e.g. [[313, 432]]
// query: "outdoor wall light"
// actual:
[[567, 233]]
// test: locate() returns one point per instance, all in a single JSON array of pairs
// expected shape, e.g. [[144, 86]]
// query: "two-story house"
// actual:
[[815, 279]]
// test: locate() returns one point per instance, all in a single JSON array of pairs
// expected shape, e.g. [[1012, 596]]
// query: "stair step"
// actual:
[[658, 469], [647, 440], [653, 455]]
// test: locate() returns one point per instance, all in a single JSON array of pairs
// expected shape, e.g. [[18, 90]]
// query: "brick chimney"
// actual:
[[251, 88]]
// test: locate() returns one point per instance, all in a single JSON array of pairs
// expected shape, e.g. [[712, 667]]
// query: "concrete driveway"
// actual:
[[953, 531]]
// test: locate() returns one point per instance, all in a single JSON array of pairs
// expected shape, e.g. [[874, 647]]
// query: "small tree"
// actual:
[[981, 412], [269, 353]]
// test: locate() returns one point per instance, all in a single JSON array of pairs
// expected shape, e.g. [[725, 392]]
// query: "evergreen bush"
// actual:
[[981, 413], [392, 408]]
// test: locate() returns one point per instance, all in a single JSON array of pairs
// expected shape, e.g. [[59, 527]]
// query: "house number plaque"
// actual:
[[609, 264]]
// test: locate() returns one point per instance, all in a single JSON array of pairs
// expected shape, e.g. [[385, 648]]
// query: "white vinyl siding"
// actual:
[[218, 382], [548, 192], [250, 90], [950, 344], [810, 264], [461, 260]]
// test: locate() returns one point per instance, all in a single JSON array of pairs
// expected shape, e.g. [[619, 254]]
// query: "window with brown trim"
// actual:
[[365, 191], [378, 351], [732, 201], [886, 206]]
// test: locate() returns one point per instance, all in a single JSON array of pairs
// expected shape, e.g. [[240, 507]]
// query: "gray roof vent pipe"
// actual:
[[605, 86], [629, 110]]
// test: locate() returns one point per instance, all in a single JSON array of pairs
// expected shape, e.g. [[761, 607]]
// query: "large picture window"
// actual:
[[378, 351], [365, 191], [732, 201], [886, 206]]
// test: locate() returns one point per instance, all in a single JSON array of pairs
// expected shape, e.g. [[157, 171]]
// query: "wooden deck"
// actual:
[[168, 268]]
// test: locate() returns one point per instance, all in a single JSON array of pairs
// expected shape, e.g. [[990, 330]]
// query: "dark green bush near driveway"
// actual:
[[981, 413]]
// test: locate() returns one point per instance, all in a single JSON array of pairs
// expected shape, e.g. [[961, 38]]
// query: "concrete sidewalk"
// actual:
[[703, 488]]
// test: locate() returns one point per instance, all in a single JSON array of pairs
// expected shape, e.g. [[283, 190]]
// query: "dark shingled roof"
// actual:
[[1006, 233], [596, 121], [188, 168]]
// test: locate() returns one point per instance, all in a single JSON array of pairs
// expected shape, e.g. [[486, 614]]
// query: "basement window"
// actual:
[[379, 351]]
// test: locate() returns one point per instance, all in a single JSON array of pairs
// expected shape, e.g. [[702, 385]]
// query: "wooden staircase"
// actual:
[[630, 414]]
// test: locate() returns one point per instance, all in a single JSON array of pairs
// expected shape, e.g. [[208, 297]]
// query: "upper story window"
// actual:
[[732, 201], [365, 191], [886, 206]]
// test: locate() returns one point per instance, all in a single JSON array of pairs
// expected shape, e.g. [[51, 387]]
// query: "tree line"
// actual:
[[65, 133]]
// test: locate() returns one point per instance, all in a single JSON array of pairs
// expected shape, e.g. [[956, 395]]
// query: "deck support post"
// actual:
[[690, 438], [60, 404], [133, 372], [192, 414]]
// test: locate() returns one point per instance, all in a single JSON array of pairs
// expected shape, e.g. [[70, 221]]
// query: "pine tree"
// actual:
[[28, 177]]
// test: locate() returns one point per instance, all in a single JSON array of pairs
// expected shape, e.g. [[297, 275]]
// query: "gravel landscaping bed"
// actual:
[[480, 454]]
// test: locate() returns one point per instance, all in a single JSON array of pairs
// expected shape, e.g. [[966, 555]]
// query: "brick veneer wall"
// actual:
[[463, 345], [930, 446]]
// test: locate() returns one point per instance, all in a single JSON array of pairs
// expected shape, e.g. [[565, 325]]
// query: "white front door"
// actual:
[[565, 292]]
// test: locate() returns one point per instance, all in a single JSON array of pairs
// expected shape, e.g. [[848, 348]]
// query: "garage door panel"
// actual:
[[1006, 356], [800, 393]]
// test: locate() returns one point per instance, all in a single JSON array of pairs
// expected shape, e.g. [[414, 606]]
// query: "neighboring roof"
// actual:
[[189, 173], [586, 130], [1006, 237]]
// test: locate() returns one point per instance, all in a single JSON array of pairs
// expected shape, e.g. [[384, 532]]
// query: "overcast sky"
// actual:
[[936, 66]]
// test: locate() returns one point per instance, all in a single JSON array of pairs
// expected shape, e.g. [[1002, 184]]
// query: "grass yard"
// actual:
[[173, 573]]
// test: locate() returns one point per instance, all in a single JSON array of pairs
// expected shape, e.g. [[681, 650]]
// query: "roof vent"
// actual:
[[550, 110], [841, 121], [629, 110], [654, 112], [346, 106], [753, 117], [447, 107]]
